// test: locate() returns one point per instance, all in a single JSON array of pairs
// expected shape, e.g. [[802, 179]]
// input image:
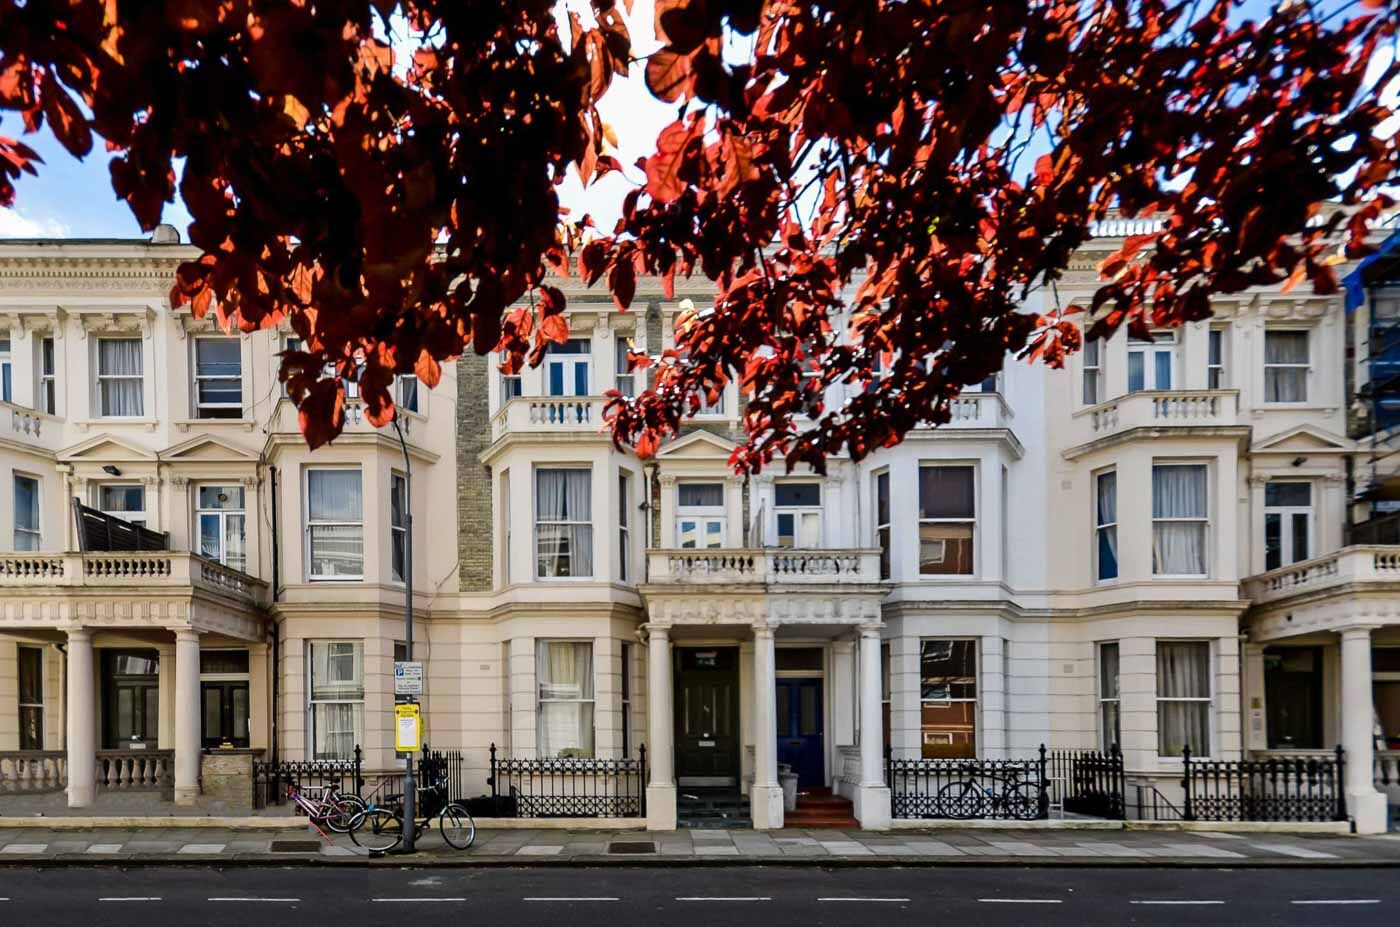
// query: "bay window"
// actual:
[[1183, 698], [700, 516], [1287, 520], [218, 378], [1110, 700], [1179, 519], [947, 520], [1106, 525], [337, 703], [564, 673], [948, 698], [119, 378], [222, 521], [28, 535], [564, 522], [1286, 366], [335, 524], [798, 507]]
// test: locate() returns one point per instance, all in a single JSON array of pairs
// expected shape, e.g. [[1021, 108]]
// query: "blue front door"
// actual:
[[800, 729]]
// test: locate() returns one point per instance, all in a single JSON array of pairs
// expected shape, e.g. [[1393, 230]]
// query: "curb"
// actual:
[[675, 862], [146, 823]]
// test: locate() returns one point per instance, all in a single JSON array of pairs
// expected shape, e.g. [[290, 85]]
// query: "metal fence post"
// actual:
[[491, 780], [1189, 814], [1043, 792], [359, 777], [1340, 784], [1120, 786], [642, 776]]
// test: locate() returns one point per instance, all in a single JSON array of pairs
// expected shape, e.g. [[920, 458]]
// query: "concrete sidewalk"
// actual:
[[941, 847]]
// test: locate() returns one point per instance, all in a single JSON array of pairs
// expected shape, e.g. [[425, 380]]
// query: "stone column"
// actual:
[[82, 720], [765, 796], [872, 804], [1365, 805], [187, 739], [661, 724]]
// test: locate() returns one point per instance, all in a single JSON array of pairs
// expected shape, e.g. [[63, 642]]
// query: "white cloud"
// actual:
[[14, 224]]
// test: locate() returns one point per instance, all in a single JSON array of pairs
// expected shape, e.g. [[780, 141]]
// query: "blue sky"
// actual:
[[73, 198]]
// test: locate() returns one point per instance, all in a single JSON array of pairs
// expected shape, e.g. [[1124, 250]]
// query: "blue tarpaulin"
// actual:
[[1367, 273]]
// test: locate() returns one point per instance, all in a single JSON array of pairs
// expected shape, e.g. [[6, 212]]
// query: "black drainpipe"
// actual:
[[276, 628]]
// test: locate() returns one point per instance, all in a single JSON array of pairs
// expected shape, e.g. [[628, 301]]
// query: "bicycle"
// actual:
[[336, 811], [966, 799], [379, 829]]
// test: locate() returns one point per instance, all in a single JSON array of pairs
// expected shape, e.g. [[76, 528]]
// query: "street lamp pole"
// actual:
[[410, 794]]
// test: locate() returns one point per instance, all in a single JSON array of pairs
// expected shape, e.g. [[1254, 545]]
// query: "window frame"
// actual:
[[799, 513], [211, 410], [569, 364], [308, 524], [1217, 352], [703, 515], [624, 526], [883, 529], [567, 523], [100, 379], [402, 384], [1093, 351], [7, 369], [1209, 699], [541, 700], [124, 515], [975, 700], [1101, 527], [312, 701], [37, 532], [625, 379], [222, 514], [1306, 367], [1206, 521], [23, 707], [1157, 347], [1286, 515], [1102, 700], [975, 537], [398, 562]]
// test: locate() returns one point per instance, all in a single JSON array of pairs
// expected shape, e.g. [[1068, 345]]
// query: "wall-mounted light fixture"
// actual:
[[111, 470]]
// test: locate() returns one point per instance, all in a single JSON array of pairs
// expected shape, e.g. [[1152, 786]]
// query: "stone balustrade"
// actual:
[[549, 414], [1357, 564], [764, 565], [1192, 408], [143, 569], [136, 770], [28, 427], [29, 771]]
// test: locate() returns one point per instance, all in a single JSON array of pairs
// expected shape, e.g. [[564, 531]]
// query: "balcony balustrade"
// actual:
[[774, 565], [1157, 409], [549, 415], [1361, 564], [29, 428], [162, 569]]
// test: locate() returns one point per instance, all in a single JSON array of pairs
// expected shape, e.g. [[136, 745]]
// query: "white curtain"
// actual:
[[1107, 485], [119, 366], [337, 696], [1183, 672], [563, 506], [564, 671], [1286, 384], [335, 496], [1179, 546]]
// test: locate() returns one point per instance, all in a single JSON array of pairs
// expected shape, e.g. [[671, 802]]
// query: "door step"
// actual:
[[818, 808], [704, 809]]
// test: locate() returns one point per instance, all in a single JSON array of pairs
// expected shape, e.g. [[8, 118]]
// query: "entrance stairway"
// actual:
[[817, 808], [712, 809]]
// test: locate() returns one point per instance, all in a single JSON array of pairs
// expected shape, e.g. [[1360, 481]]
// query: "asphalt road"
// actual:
[[739, 897]]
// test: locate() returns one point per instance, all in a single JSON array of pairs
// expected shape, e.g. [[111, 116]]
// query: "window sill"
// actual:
[[185, 424], [343, 580], [108, 421]]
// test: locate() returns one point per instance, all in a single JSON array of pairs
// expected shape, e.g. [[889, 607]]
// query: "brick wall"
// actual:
[[474, 524]]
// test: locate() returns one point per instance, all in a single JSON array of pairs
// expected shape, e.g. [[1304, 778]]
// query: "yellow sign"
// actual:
[[408, 727]]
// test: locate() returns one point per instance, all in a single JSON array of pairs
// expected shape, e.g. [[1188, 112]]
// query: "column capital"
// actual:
[[871, 629], [79, 635], [656, 631], [187, 636], [763, 632], [1356, 630]]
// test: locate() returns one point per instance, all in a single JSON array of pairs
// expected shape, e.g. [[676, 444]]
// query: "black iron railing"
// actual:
[[967, 789], [1275, 789], [569, 787], [1152, 805], [270, 779], [447, 765], [1088, 782]]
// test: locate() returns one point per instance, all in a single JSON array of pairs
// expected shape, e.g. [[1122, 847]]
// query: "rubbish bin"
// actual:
[[788, 780]]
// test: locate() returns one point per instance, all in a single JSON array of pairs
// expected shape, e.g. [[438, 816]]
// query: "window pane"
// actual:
[[31, 675], [1183, 724], [946, 492], [787, 534], [1183, 669], [698, 495], [882, 499], [1136, 372], [336, 550], [221, 497], [945, 547], [116, 499], [218, 357], [948, 729], [336, 672], [1300, 536], [798, 495], [223, 661], [948, 669], [210, 536], [1277, 493], [334, 495], [1179, 491], [563, 495], [1163, 361], [1108, 670], [1285, 347]]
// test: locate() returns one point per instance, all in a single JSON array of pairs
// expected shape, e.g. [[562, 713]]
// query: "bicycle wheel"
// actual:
[[378, 830], [343, 815], [458, 828], [1022, 801], [961, 801]]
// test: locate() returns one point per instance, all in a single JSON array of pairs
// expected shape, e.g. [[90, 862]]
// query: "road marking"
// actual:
[[1176, 901], [1336, 901], [704, 898], [138, 898], [1019, 900], [876, 900], [283, 900], [568, 899], [414, 900]]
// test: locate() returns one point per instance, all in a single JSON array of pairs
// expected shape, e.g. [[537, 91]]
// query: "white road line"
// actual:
[[875, 900], [569, 899], [414, 900], [282, 900], [1175, 901], [138, 898], [1019, 900], [704, 898], [1336, 901]]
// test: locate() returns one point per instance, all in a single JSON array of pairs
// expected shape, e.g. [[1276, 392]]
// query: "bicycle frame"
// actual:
[[314, 811]]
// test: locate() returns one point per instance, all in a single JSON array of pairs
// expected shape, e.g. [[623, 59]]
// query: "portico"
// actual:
[[760, 671]]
